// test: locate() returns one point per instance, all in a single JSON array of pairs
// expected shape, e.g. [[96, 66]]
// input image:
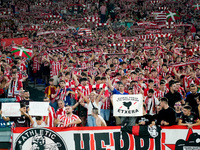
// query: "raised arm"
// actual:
[[4, 118], [91, 58], [75, 79], [99, 96], [84, 97], [109, 83], [69, 56]]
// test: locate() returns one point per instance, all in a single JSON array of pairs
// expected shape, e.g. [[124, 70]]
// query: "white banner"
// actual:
[[11, 109], [104, 138], [127, 105], [39, 108]]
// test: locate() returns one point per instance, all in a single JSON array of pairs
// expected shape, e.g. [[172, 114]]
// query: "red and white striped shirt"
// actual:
[[55, 68], [159, 94], [192, 81], [65, 120], [60, 112], [51, 117], [106, 104]]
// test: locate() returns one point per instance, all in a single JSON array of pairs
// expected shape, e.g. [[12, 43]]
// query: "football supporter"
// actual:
[[191, 98], [151, 102], [188, 118], [173, 96], [51, 118], [14, 86], [92, 102], [22, 121], [69, 119], [166, 115], [99, 120], [146, 119], [132, 46]]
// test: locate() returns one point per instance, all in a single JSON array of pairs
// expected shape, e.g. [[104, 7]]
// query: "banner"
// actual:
[[11, 109], [128, 105], [104, 138], [39, 108], [17, 41]]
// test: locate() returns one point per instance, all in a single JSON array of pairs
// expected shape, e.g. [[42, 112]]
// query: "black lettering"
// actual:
[[77, 140], [125, 138], [157, 142], [136, 110], [101, 137], [146, 143]]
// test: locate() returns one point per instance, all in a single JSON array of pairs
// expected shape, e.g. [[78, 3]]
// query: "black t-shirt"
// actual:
[[21, 121], [26, 102], [192, 118], [178, 115], [173, 98], [146, 118], [168, 115], [192, 101], [196, 111]]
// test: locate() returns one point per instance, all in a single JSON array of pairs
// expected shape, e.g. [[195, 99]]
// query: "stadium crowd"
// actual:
[[87, 51]]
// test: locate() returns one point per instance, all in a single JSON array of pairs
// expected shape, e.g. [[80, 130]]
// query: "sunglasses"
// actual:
[[177, 104]]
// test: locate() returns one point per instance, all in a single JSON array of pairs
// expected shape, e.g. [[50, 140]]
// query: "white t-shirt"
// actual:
[[90, 106], [35, 125]]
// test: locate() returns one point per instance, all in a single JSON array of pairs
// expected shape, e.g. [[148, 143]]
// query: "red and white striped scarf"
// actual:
[[13, 89], [36, 65], [153, 104], [55, 68], [88, 89]]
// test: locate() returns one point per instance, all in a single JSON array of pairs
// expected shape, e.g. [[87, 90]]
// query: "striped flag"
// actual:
[[87, 31], [159, 17], [196, 7], [21, 51]]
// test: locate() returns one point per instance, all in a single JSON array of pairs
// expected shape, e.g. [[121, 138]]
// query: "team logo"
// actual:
[[153, 131], [40, 139]]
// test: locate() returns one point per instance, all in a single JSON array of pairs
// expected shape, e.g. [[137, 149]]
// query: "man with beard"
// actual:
[[191, 98], [14, 86], [69, 119], [26, 99], [173, 96], [63, 94], [151, 102]]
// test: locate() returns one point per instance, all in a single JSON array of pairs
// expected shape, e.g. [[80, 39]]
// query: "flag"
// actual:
[[171, 16], [143, 131], [87, 31], [21, 51], [18, 41], [196, 7], [159, 17]]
